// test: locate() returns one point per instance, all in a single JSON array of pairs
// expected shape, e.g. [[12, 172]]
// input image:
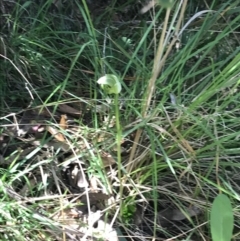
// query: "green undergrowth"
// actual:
[[188, 146]]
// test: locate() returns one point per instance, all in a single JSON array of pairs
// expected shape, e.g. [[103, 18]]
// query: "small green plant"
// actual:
[[110, 83], [221, 220], [128, 212]]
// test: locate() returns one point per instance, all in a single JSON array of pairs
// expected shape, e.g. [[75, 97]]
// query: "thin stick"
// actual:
[[150, 90]]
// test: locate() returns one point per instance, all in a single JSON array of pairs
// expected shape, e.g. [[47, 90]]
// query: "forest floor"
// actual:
[[118, 120]]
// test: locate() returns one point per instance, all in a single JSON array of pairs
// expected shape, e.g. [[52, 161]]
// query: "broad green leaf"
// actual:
[[221, 220], [110, 83]]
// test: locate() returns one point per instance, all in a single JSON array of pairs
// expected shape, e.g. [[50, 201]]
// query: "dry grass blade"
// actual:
[[181, 139], [159, 62]]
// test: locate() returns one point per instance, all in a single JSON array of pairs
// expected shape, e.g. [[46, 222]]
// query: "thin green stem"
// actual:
[[118, 140]]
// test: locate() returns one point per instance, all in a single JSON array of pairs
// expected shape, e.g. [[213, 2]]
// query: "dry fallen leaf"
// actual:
[[78, 178], [93, 184], [58, 136], [69, 110], [81, 181], [63, 122]]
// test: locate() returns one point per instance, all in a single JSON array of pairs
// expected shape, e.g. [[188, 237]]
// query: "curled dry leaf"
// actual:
[[81, 180], [58, 136], [63, 122], [69, 110], [78, 178], [94, 184]]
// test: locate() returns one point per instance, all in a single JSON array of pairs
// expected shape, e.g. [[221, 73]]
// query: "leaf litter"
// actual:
[[36, 130], [92, 198]]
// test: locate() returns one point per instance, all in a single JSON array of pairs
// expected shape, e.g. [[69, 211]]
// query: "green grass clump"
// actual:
[[167, 140]]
